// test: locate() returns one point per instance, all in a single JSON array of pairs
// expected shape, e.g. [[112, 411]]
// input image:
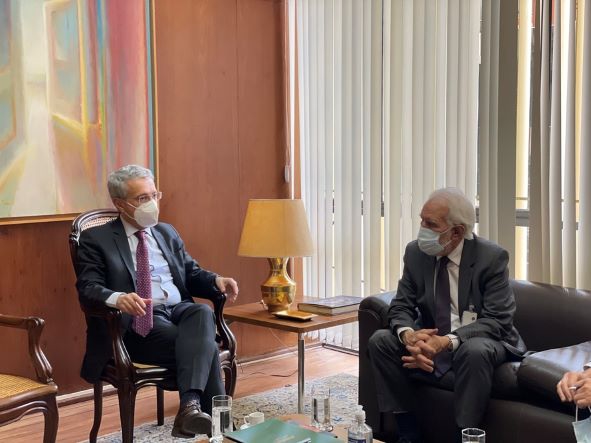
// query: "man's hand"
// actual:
[[228, 286], [132, 304], [414, 341], [566, 386], [434, 345], [410, 337], [417, 360], [582, 395]]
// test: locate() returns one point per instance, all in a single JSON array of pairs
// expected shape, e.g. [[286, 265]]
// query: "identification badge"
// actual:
[[468, 317]]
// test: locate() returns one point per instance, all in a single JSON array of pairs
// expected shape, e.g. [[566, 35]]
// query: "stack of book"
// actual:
[[331, 305]]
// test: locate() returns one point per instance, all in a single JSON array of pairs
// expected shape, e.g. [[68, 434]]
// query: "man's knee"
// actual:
[[477, 350], [381, 342], [200, 310]]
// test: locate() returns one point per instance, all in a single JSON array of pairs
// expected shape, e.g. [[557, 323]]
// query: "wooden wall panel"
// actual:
[[220, 132], [37, 279], [219, 86]]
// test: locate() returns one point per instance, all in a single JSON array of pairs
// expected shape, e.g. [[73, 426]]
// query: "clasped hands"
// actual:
[[576, 387], [133, 304], [423, 345]]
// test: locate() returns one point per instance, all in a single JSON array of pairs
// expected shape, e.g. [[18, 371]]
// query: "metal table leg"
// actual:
[[300, 373]]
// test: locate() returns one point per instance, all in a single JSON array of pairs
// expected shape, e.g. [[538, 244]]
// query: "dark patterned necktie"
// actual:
[[442, 315], [143, 325]]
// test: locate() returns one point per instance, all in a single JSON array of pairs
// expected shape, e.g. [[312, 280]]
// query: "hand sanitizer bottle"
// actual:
[[359, 432]]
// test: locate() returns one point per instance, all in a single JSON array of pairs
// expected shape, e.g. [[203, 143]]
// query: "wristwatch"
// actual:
[[450, 345]]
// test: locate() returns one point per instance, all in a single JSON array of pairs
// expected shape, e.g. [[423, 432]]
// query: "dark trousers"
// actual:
[[471, 376], [183, 338]]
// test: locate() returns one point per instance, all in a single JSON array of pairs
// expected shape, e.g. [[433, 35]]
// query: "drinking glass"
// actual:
[[321, 408], [473, 435], [221, 417]]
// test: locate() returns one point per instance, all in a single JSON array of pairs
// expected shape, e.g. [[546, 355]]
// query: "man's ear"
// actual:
[[458, 231], [117, 203]]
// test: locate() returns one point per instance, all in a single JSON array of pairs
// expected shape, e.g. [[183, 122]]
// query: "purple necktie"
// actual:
[[442, 315], [143, 325]]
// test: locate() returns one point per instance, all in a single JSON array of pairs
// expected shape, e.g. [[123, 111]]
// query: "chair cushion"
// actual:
[[11, 385], [540, 372], [144, 366]]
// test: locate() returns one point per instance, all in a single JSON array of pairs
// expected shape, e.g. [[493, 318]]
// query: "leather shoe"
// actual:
[[190, 420]]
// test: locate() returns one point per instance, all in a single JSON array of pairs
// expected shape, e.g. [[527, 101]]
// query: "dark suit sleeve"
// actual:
[[402, 312], [495, 319], [199, 282], [91, 270]]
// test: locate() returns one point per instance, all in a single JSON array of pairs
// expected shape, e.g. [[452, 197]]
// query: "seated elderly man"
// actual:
[[140, 266], [451, 322], [575, 387]]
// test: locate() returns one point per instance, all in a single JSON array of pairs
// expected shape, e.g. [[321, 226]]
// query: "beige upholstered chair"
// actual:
[[20, 395], [121, 372]]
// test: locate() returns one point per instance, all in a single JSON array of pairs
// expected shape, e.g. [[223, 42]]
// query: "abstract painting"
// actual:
[[75, 102]]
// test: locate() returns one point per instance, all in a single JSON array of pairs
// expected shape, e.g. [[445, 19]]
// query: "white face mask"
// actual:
[[146, 214], [429, 241], [582, 428]]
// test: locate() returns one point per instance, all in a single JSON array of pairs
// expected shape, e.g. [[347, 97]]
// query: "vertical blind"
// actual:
[[560, 145], [388, 112]]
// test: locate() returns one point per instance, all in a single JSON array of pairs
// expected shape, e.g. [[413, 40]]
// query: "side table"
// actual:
[[255, 314]]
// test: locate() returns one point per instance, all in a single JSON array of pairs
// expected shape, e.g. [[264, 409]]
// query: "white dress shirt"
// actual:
[[164, 291], [453, 270]]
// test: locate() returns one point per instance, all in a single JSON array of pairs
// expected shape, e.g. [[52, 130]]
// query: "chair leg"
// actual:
[[160, 405], [230, 374], [126, 394], [98, 411], [51, 421]]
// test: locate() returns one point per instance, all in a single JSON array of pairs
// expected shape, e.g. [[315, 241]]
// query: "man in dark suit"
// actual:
[[451, 321], [141, 267]]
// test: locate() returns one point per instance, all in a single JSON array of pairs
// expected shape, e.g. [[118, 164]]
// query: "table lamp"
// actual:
[[276, 229]]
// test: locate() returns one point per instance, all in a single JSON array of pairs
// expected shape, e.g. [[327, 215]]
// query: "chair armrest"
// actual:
[[225, 336], [374, 310], [34, 327], [112, 316]]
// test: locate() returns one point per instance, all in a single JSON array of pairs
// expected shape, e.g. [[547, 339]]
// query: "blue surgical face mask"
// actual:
[[429, 241], [582, 428]]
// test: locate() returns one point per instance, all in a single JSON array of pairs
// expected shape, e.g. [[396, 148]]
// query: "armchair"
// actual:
[[20, 395], [126, 376]]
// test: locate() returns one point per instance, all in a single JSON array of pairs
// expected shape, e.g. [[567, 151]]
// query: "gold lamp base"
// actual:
[[279, 289]]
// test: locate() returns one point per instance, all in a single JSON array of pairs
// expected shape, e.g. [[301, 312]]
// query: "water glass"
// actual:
[[221, 417], [473, 435], [321, 408]]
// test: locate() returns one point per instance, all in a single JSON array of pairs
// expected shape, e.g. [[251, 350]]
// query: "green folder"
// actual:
[[277, 431]]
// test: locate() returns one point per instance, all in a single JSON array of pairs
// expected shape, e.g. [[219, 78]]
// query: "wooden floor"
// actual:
[[254, 377]]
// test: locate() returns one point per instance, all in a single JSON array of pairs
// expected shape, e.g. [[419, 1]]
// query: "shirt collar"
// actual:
[[130, 230], [455, 256]]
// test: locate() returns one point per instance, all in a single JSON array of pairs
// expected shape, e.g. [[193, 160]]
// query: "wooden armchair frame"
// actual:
[[30, 396], [128, 377]]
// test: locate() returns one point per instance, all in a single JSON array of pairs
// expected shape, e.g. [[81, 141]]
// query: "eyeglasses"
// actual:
[[145, 198]]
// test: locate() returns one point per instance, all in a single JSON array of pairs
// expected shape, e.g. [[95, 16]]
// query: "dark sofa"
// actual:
[[524, 406]]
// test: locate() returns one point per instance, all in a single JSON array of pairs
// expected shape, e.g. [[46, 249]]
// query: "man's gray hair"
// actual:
[[117, 182], [461, 210]]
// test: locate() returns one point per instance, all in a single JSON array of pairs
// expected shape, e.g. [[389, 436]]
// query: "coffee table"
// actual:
[[304, 420], [255, 314]]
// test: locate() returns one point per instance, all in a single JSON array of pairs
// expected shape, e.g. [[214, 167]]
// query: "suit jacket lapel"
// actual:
[[429, 265], [466, 267], [123, 246]]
